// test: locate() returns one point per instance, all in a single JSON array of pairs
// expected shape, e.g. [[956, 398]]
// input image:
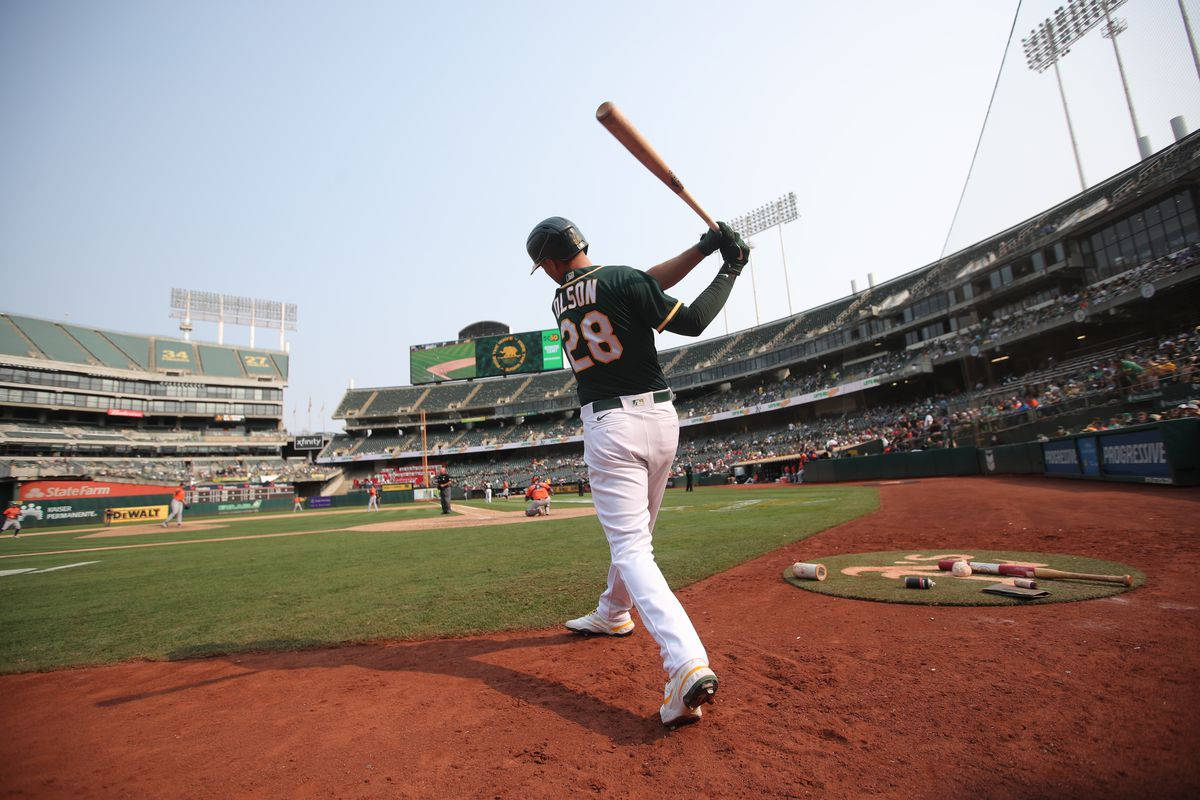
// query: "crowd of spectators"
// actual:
[[995, 329], [1142, 369]]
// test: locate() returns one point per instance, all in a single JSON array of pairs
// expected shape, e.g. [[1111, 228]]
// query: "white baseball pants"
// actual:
[[372, 503], [176, 511], [629, 452]]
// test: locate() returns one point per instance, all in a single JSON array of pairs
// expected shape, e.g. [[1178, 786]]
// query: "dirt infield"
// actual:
[[820, 696], [470, 518], [141, 530]]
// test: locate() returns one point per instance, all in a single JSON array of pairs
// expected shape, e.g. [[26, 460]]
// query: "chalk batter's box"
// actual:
[[1165, 453]]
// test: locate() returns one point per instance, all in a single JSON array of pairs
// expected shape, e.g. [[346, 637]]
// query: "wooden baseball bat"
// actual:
[[1043, 572], [620, 127], [1022, 571]]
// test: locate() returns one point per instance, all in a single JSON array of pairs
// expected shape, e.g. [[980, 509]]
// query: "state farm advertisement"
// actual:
[[66, 490]]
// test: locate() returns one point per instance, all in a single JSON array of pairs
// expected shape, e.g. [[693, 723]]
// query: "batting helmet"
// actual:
[[557, 238]]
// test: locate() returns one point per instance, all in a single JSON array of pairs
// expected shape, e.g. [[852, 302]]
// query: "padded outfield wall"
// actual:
[[1163, 452]]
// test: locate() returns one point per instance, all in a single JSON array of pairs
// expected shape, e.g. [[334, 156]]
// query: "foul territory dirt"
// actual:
[[819, 697]]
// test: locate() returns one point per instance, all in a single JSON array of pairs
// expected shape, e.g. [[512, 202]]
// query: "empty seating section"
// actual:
[[136, 347], [105, 351], [698, 354], [219, 361], [12, 342], [757, 338], [492, 393], [175, 356], [352, 402], [258, 363], [53, 341], [339, 445], [26, 337], [393, 401], [545, 385], [444, 395], [382, 444], [820, 317]]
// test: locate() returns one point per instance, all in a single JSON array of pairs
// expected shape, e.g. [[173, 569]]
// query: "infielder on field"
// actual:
[[12, 518], [177, 504], [607, 316]]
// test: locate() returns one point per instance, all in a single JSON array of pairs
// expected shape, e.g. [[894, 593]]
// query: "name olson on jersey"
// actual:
[[575, 296]]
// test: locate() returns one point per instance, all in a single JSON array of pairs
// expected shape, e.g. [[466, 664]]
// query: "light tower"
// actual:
[[188, 305], [1051, 41], [772, 215]]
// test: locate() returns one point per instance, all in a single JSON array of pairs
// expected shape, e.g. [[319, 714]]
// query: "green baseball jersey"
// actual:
[[608, 317]]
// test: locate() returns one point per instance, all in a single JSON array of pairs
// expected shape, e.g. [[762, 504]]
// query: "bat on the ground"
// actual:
[[620, 127], [1022, 571]]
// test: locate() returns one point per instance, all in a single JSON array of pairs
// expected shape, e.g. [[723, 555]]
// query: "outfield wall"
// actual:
[[43, 513], [143, 508], [923, 464], [1162, 452]]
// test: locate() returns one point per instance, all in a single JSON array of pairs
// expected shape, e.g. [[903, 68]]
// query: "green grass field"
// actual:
[[421, 360], [288, 592]]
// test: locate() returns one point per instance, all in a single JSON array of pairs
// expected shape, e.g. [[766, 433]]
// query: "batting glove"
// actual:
[[710, 240], [734, 249]]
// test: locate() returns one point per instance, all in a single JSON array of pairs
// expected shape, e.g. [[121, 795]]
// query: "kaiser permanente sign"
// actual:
[[795, 400]]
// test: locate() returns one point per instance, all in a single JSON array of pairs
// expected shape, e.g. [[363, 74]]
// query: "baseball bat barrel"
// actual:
[[623, 131], [1023, 571], [1043, 572]]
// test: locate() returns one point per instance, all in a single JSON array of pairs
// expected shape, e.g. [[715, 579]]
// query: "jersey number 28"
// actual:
[[598, 334]]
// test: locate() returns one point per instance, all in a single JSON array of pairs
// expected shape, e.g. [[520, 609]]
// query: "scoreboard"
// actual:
[[488, 356]]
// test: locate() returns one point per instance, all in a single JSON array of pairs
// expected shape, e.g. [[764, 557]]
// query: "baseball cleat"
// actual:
[[593, 623], [692, 685]]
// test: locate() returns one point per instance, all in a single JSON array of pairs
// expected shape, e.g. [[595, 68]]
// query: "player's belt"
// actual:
[[615, 402]]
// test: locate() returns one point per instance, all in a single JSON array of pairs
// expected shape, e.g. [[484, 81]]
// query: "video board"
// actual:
[[487, 356]]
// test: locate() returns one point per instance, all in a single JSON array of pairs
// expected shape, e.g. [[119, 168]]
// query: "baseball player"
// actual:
[[487, 492], [443, 484], [12, 518], [297, 503], [372, 499], [537, 498], [607, 316], [176, 506]]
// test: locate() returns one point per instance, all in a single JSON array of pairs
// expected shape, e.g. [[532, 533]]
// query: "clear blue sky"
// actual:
[[380, 164]]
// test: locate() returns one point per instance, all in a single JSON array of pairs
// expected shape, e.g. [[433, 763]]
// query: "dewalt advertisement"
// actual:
[[136, 514]]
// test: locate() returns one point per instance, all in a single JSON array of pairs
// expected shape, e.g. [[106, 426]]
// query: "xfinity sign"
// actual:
[[308, 442]]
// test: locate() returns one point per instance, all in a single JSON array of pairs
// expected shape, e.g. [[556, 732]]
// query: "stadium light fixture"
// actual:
[[998, 359], [1051, 41], [771, 215], [188, 305]]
